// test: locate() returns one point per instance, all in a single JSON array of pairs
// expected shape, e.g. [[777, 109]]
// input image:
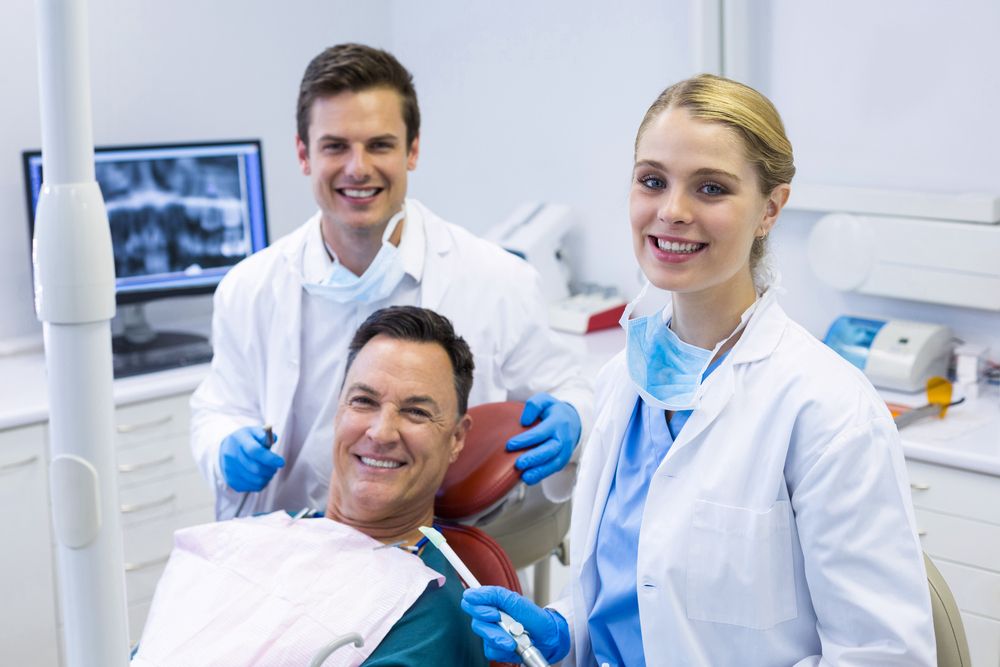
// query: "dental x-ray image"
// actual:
[[176, 215]]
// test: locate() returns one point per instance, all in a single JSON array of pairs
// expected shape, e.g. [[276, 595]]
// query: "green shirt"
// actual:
[[435, 630]]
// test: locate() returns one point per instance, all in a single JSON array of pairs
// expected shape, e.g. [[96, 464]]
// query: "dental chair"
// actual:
[[952, 646], [483, 489]]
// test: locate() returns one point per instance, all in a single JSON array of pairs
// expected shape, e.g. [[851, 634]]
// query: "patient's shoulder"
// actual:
[[435, 630]]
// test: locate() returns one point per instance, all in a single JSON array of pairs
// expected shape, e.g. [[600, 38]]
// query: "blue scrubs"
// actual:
[[615, 634]]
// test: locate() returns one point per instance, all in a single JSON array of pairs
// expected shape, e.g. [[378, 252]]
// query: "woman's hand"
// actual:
[[548, 630]]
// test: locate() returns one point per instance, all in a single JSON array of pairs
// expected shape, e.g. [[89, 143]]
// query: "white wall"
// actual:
[[898, 94], [531, 100], [528, 100], [173, 71]]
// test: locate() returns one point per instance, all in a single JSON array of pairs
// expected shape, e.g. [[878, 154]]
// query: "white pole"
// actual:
[[75, 300], [706, 36], [737, 51]]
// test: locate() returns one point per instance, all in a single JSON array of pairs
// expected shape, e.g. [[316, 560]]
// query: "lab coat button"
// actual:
[[648, 584]]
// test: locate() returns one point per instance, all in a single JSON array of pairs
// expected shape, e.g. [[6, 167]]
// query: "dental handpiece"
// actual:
[[268, 443], [528, 653]]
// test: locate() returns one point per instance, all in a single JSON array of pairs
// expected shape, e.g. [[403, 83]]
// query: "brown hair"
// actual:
[[356, 67], [419, 325]]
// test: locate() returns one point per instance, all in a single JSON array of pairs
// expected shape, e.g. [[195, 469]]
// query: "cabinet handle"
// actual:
[[129, 509], [919, 486], [130, 428], [132, 467], [142, 565], [19, 464], [921, 533]]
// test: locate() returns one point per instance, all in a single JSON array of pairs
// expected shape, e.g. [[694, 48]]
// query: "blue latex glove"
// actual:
[[247, 465], [548, 630], [552, 439]]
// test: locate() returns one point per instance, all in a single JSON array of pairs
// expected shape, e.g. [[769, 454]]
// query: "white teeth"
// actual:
[[360, 193], [379, 463], [673, 246]]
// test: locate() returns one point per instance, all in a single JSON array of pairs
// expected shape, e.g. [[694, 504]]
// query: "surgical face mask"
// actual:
[[376, 283], [666, 371]]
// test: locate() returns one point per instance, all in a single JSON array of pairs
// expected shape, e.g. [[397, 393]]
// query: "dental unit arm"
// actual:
[[325, 652]]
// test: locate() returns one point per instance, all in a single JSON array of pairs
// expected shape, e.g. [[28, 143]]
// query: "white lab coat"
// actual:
[[778, 529], [493, 299]]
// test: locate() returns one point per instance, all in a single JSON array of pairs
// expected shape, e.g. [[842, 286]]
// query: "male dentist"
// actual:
[[284, 317]]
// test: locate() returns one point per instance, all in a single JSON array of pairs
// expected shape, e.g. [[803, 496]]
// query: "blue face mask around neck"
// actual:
[[376, 283], [665, 371]]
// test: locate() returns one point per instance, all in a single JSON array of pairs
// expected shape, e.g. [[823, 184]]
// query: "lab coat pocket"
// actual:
[[740, 565]]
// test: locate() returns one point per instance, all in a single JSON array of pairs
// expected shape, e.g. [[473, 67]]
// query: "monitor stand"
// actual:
[[140, 349]]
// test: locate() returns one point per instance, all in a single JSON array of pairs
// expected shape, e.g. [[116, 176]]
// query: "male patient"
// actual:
[[270, 590]]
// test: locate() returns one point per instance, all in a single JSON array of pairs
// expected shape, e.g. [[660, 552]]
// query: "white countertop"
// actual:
[[968, 438], [24, 390]]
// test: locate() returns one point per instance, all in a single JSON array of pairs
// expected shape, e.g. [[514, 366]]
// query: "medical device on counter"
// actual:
[[536, 233], [896, 354], [593, 309], [530, 655]]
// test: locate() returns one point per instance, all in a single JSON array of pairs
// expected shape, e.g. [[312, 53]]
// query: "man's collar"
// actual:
[[413, 245], [316, 261]]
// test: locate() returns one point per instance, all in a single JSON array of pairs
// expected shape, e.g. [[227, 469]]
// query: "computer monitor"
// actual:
[[181, 216]]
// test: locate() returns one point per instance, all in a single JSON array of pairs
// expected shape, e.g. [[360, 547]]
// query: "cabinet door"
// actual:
[[160, 491], [984, 640], [27, 590], [952, 491]]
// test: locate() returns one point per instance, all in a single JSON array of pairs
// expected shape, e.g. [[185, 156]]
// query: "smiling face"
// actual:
[[396, 431], [357, 161], [695, 206]]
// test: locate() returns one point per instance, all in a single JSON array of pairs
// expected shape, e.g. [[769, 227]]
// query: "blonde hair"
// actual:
[[747, 112]]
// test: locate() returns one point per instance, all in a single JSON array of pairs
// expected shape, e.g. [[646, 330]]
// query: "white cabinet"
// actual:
[[160, 491], [27, 588], [159, 488], [958, 519]]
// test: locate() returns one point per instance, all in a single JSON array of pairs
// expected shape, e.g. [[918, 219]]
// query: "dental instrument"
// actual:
[[301, 513], [916, 414], [324, 653], [269, 442], [530, 655]]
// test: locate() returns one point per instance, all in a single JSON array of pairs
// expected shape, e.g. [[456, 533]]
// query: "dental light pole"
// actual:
[[75, 301]]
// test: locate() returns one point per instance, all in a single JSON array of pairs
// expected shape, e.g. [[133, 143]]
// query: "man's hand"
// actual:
[[552, 440], [245, 461]]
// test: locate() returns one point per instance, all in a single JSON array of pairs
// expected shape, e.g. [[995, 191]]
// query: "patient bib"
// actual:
[[271, 592]]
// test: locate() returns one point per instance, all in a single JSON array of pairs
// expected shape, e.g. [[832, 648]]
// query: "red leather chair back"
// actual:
[[480, 477], [483, 556], [484, 471]]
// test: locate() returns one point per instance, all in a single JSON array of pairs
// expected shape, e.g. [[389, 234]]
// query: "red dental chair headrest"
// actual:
[[481, 476], [484, 471]]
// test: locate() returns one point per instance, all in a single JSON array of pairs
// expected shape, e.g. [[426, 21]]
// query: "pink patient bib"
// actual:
[[270, 592]]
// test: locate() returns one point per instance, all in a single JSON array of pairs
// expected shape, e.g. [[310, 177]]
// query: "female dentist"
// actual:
[[742, 499]]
